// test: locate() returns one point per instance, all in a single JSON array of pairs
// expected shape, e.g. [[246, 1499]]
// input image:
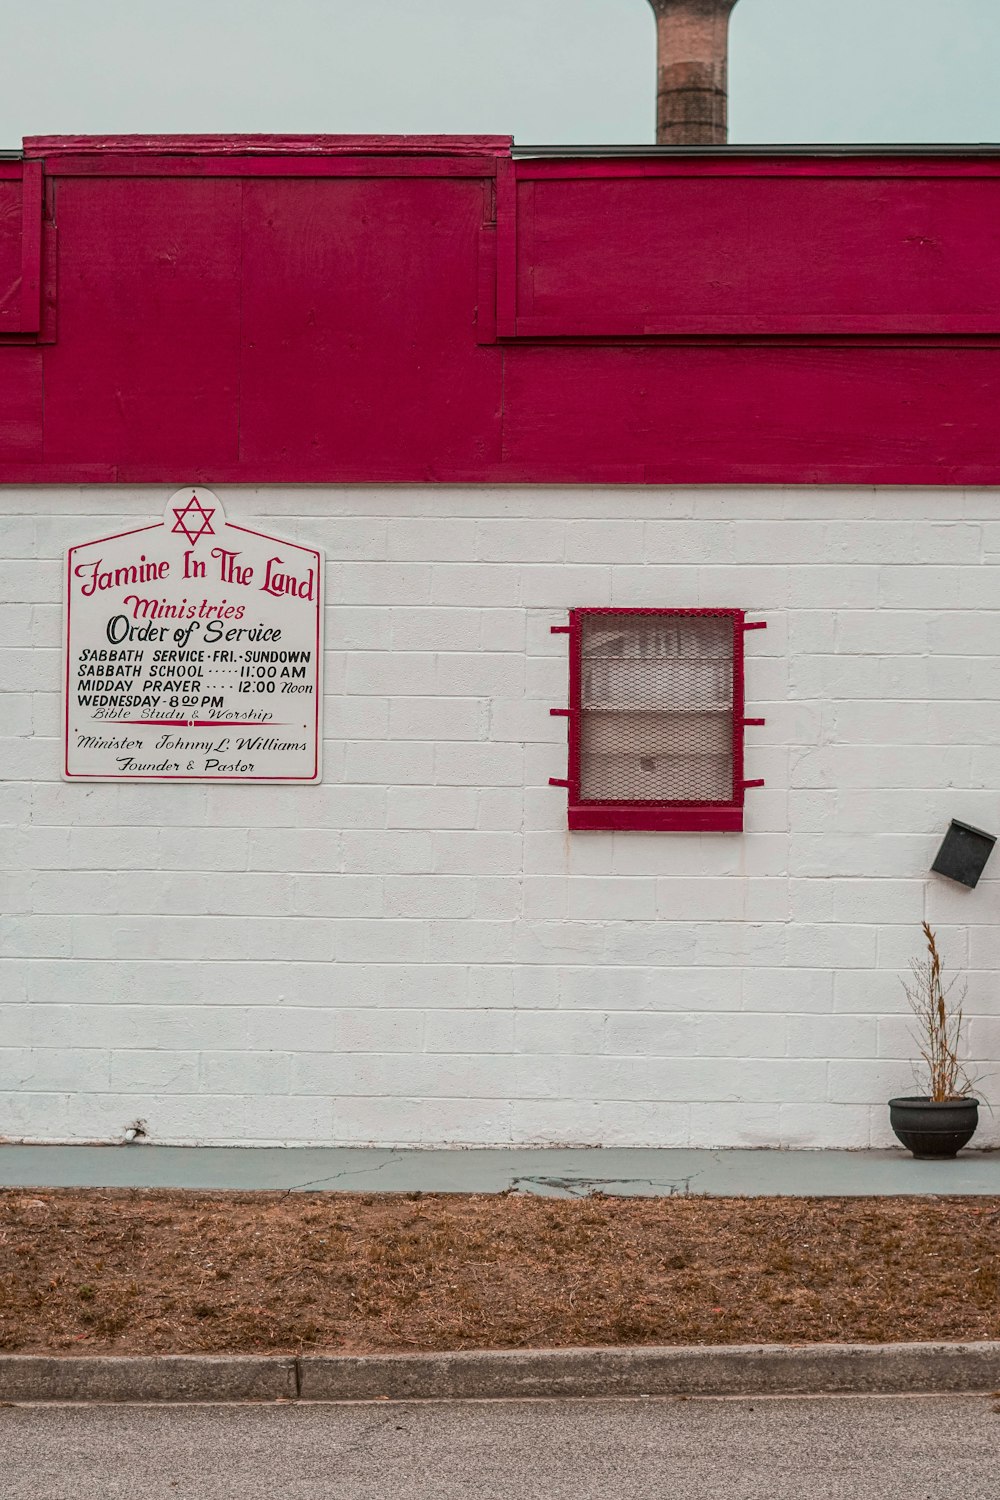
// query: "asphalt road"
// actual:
[[854, 1448]]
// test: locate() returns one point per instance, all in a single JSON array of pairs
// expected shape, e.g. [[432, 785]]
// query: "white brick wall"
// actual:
[[417, 950]]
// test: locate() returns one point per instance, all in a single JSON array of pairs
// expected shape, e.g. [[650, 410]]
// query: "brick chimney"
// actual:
[[692, 44]]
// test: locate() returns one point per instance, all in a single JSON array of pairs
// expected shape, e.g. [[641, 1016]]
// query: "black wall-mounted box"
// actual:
[[963, 854]]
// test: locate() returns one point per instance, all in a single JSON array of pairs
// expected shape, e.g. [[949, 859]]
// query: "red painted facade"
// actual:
[[326, 310]]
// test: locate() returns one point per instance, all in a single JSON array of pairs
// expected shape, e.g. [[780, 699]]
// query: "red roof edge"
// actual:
[[269, 145]]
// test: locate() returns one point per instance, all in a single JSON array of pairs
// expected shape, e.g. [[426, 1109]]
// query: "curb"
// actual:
[[724, 1370], [147, 1377], [730, 1370]]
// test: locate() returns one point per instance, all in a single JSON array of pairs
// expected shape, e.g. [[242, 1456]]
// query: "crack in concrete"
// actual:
[[298, 1187], [573, 1187], [582, 1187]]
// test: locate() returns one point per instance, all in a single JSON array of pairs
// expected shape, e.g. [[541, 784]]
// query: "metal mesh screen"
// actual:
[[656, 708]]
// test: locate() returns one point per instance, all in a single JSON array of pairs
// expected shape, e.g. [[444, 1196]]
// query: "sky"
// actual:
[[544, 71]]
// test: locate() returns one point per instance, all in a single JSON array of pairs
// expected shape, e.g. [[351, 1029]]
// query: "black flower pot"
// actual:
[[930, 1130]]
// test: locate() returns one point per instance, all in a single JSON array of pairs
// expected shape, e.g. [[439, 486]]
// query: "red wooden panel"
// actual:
[[21, 405], [359, 338], [506, 232], [146, 365], [728, 414], [20, 246], [780, 254], [10, 253]]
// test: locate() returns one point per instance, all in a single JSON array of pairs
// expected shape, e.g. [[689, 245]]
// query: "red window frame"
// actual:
[[666, 816]]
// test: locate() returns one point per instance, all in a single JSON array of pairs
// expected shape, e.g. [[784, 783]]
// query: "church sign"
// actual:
[[193, 652]]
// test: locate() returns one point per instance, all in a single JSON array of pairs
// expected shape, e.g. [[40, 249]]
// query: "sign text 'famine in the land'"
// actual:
[[193, 652]]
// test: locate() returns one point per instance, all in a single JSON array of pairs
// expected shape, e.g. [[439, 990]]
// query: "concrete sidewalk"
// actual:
[[629, 1172]]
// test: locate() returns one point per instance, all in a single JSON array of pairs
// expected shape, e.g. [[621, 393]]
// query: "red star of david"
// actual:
[[195, 507]]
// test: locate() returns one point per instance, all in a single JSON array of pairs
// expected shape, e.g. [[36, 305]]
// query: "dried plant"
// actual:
[[937, 1009]]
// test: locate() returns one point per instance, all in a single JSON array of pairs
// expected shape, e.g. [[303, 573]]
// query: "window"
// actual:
[[656, 718]]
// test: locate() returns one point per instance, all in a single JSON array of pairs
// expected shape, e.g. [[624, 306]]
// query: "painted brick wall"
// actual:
[[417, 951]]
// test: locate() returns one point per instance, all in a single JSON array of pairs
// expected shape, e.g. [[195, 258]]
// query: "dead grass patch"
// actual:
[[137, 1271]]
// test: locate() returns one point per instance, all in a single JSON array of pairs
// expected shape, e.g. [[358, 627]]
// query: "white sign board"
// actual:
[[193, 652]]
